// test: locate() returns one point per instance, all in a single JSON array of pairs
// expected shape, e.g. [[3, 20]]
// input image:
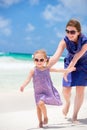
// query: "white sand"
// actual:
[[18, 110]]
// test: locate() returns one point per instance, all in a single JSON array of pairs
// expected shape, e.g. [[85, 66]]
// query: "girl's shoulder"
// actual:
[[32, 70], [42, 69]]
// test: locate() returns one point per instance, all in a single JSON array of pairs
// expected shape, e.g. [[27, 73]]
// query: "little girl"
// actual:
[[45, 93]]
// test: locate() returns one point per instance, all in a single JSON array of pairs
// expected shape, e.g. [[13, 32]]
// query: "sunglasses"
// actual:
[[38, 60], [71, 32]]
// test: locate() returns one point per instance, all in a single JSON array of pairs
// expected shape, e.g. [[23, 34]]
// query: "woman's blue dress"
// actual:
[[78, 77]]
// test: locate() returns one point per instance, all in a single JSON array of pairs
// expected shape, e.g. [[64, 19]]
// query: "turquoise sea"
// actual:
[[17, 56], [20, 56]]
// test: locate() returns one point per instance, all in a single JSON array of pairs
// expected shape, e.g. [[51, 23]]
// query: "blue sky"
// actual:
[[28, 25]]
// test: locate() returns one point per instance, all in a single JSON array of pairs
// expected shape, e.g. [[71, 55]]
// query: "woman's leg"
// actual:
[[44, 111], [67, 95], [78, 101], [39, 115]]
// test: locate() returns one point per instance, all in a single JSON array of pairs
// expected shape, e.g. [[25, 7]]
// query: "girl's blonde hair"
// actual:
[[43, 52]]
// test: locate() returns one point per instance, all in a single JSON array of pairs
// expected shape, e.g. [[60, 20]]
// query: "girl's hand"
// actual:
[[22, 88]]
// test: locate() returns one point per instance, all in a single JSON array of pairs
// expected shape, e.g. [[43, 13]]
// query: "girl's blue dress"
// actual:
[[78, 77]]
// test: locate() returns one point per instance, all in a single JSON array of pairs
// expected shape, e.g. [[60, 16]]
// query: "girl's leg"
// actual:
[[39, 114], [67, 95], [78, 102], [44, 111]]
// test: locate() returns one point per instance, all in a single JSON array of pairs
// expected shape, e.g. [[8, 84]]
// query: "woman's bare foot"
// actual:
[[40, 124], [45, 120], [66, 109], [74, 120]]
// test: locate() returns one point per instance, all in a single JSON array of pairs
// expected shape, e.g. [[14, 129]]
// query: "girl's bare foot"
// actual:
[[66, 109], [41, 124], [45, 120]]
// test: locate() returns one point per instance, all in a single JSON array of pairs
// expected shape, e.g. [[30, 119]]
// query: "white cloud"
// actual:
[[30, 28], [65, 10], [33, 2], [8, 2], [77, 7], [5, 26], [28, 38], [55, 13], [59, 35], [84, 29]]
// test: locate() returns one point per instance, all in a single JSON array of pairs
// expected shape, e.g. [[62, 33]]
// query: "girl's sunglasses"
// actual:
[[71, 32], [38, 60]]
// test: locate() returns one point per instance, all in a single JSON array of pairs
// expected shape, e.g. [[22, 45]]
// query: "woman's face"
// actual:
[[72, 33]]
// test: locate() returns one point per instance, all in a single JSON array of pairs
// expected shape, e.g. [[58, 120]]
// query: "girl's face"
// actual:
[[39, 60], [72, 33]]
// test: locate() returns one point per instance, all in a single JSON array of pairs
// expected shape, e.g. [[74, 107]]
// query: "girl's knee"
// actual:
[[41, 103]]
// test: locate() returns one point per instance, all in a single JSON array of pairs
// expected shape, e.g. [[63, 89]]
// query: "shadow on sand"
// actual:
[[83, 123]]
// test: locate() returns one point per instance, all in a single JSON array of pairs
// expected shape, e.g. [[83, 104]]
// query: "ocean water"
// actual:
[[17, 56], [20, 56], [14, 69]]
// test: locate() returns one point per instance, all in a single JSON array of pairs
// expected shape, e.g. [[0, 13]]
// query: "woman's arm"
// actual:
[[78, 56], [57, 54], [75, 59], [27, 80]]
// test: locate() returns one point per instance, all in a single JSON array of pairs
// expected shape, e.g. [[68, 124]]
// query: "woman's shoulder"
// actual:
[[83, 39], [66, 39]]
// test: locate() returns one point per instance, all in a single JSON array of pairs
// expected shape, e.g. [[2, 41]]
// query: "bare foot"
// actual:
[[66, 109], [75, 122], [41, 124], [45, 120]]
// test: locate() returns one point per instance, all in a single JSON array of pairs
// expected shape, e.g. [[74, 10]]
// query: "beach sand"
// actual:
[[18, 110]]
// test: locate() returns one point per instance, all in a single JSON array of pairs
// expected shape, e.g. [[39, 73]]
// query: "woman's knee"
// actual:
[[80, 90], [66, 91]]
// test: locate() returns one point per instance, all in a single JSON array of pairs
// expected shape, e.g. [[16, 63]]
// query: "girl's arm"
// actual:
[[27, 80], [57, 70], [75, 59], [62, 70], [57, 54]]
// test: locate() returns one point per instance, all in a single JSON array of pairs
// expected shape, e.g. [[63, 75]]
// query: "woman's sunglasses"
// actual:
[[38, 60], [71, 32]]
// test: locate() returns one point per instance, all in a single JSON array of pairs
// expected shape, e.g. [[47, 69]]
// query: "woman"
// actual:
[[76, 44]]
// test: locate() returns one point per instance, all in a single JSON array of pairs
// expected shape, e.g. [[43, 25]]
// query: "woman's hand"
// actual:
[[68, 70]]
